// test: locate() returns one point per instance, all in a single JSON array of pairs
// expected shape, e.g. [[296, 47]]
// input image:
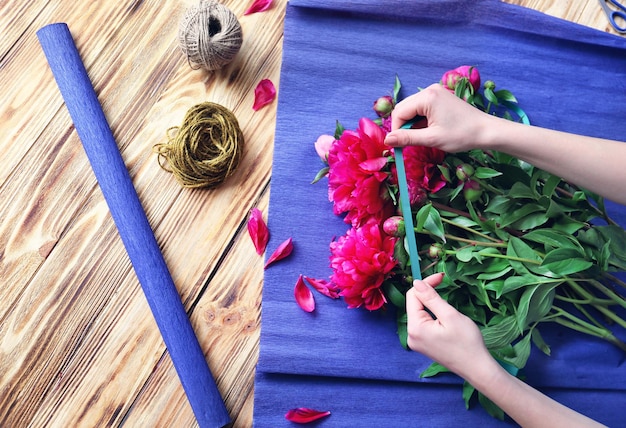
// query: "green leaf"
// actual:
[[465, 254], [434, 369], [531, 221], [522, 352], [539, 342], [519, 249], [520, 214], [396, 88], [468, 392], [428, 218], [395, 296], [338, 130], [500, 204], [500, 334], [522, 191], [551, 238], [321, 174], [550, 184], [484, 172], [534, 304], [505, 95], [516, 282], [566, 261], [403, 333], [491, 96]]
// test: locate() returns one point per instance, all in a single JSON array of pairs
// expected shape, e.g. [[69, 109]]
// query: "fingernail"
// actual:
[[420, 285], [391, 140]]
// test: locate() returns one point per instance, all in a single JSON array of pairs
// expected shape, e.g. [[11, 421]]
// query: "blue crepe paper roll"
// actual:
[[132, 224]]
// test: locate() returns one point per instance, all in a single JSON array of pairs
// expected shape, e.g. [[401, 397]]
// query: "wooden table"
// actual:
[[78, 344]]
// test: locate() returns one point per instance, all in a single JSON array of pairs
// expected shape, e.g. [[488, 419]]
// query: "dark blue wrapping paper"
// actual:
[[338, 57]]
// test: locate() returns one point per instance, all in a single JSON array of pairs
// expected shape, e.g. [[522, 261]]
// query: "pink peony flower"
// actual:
[[322, 146], [394, 226], [422, 172], [450, 78], [356, 177], [361, 260]]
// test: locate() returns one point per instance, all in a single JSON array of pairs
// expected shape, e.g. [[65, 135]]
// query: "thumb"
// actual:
[[409, 137]]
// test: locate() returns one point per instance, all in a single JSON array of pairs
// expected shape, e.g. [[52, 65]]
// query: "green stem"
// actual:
[[586, 301], [473, 242], [614, 279], [605, 311], [469, 229], [616, 298]]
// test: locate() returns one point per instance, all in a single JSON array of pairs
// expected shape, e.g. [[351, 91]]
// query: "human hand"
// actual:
[[452, 339], [453, 124]]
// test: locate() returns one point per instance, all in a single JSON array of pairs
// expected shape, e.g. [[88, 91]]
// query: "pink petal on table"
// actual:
[[264, 93], [258, 6], [281, 252], [304, 296], [327, 288], [303, 415], [258, 230]]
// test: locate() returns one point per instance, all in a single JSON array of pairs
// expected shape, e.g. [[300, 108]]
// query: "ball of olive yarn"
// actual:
[[209, 35], [205, 150]]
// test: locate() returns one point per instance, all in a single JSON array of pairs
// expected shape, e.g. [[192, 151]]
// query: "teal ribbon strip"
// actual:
[[405, 205], [517, 110]]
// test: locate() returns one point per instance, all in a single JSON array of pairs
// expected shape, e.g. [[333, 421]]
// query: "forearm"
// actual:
[[592, 163], [524, 404]]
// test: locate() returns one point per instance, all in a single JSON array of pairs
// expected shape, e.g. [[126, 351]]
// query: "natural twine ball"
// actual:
[[209, 35], [205, 150]]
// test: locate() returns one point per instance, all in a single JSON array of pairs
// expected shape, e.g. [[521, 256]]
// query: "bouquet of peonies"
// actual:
[[519, 246]]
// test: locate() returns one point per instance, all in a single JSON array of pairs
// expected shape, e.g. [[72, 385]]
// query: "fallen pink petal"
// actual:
[[303, 415], [281, 252], [258, 6], [264, 93], [323, 286], [304, 296], [258, 231]]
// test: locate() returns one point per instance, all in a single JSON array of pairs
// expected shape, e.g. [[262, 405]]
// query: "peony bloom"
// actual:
[[322, 146], [356, 177], [361, 260], [422, 172], [450, 78]]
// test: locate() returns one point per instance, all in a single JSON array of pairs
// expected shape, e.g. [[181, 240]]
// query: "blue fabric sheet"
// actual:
[[338, 57]]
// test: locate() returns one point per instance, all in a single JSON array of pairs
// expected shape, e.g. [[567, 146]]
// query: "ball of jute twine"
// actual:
[[209, 35], [205, 150]]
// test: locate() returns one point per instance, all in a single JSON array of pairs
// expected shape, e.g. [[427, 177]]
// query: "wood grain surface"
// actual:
[[78, 344]]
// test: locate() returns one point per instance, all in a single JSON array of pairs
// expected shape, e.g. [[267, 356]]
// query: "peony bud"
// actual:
[[451, 78], [435, 251], [472, 191], [394, 226], [323, 145], [384, 105], [490, 84], [471, 73], [464, 171]]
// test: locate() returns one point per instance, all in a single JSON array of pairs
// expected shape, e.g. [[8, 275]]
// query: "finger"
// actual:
[[415, 309], [406, 110], [410, 137], [434, 279], [430, 299]]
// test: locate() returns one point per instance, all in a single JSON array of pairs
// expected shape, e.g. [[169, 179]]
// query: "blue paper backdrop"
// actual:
[[338, 57]]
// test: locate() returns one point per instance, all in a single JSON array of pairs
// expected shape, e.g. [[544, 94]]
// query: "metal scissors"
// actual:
[[611, 14]]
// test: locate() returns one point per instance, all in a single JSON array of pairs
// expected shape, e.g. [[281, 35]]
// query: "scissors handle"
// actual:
[[612, 14]]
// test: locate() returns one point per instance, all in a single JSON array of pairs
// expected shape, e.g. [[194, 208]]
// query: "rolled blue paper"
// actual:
[[132, 224]]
